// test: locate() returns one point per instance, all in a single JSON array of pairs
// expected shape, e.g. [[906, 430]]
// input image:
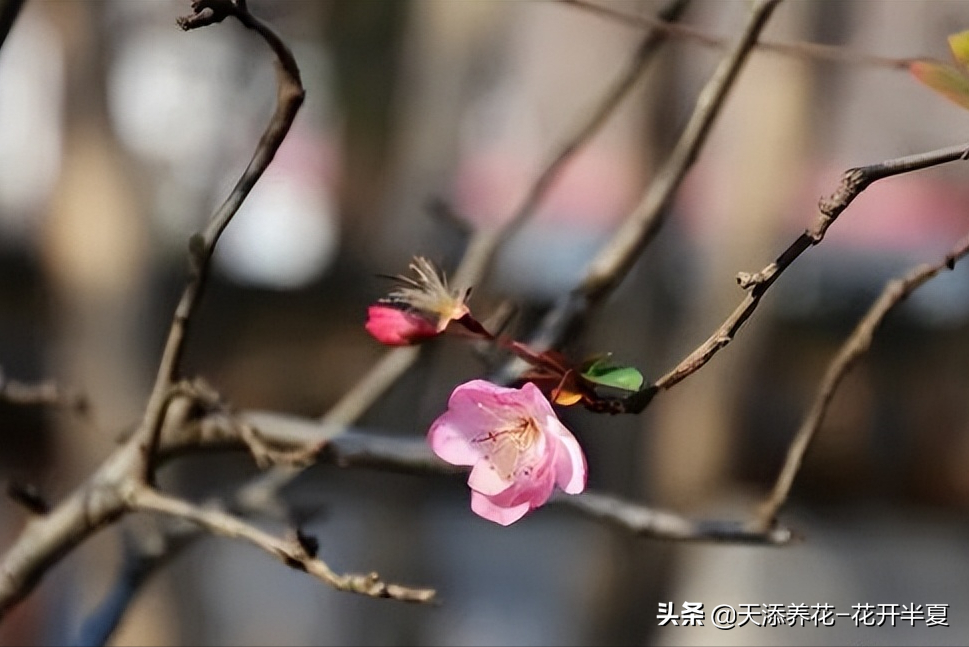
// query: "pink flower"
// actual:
[[421, 307], [518, 447]]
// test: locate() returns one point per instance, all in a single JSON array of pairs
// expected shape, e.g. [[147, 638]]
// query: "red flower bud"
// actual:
[[395, 327]]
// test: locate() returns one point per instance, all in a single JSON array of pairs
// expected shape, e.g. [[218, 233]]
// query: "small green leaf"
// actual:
[[959, 44], [618, 377], [944, 79]]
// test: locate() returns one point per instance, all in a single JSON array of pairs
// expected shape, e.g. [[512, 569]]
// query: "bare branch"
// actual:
[[659, 524], [99, 500], [816, 51], [853, 182], [353, 449], [614, 260], [408, 455], [854, 347], [289, 98], [292, 552], [612, 263], [370, 451], [483, 245], [47, 538]]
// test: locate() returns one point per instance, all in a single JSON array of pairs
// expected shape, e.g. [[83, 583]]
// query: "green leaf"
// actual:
[[944, 79], [959, 44], [618, 377]]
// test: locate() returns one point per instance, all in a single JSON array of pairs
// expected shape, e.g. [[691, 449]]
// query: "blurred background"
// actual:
[[119, 134]]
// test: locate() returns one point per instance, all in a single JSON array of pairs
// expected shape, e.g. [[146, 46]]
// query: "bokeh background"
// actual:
[[119, 134]]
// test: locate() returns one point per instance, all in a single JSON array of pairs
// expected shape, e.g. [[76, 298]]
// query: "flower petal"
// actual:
[[450, 443], [483, 506], [536, 402], [570, 465], [535, 491], [484, 478], [477, 405]]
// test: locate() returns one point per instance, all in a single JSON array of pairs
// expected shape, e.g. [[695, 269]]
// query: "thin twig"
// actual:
[[407, 455], [99, 502], [353, 449], [291, 552], [289, 98], [483, 245], [368, 449], [643, 521], [612, 263], [853, 182], [614, 260], [818, 51], [854, 347]]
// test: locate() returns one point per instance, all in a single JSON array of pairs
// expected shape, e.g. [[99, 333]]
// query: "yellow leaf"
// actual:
[[566, 398], [959, 44]]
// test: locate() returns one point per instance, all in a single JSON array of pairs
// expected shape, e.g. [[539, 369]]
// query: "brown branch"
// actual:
[[289, 98], [353, 449], [613, 261], [368, 449], [643, 521], [483, 245], [48, 538], [854, 347], [292, 552], [853, 182], [98, 502], [809, 50], [356, 449]]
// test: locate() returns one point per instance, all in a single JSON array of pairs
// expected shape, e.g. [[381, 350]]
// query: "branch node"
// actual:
[[853, 181]]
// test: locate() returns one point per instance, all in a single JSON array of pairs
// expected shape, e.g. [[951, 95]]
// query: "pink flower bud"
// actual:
[[516, 444], [395, 327], [422, 307]]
